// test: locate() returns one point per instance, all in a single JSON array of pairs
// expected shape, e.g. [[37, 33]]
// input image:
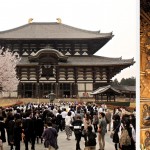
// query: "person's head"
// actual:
[[101, 115], [49, 123], [59, 111], [69, 113], [87, 116], [89, 128], [116, 117], [18, 122]]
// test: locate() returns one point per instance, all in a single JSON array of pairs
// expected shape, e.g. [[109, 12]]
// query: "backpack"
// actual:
[[91, 139], [125, 138]]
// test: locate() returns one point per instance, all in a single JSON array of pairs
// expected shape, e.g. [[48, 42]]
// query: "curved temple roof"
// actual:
[[104, 89], [51, 31]]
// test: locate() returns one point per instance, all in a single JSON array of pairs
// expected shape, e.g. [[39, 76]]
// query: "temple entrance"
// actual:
[[66, 94], [65, 89], [45, 89], [28, 94]]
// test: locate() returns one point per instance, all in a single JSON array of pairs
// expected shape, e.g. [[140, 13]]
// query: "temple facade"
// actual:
[[60, 58]]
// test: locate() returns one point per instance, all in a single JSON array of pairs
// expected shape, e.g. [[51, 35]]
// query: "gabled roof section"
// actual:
[[104, 89], [46, 52], [53, 30]]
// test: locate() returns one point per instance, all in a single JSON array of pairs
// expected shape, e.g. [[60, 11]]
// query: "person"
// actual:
[[77, 126], [86, 122], [39, 128], [10, 133], [1, 143], [64, 114], [95, 121], [50, 137], [102, 128], [108, 118], [17, 134], [29, 131], [2, 129], [91, 139], [126, 139], [68, 122], [116, 127], [59, 120]]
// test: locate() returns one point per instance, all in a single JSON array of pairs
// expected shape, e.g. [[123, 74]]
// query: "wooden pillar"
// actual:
[[37, 90], [101, 97], [56, 89], [70, 90], [32, 90], [76, 90], [20, 90], [75, 79], [23, 90], [57, 82], [114, 98]]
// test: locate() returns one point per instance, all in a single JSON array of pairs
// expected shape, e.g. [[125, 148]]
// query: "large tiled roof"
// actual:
[[51, 31], [87, 61]]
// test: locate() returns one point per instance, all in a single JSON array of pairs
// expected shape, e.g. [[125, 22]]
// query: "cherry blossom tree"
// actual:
[[8, 78]]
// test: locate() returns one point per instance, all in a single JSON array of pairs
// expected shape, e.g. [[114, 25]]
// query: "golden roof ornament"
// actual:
[[58, 20], [30, 20]]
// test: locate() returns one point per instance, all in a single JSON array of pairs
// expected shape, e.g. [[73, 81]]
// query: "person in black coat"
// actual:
[[2, 129], [29, 131], [116, 126], [39, 128], [17, 134], [59, 120], [10, 133], [77, 125], [91, 138]]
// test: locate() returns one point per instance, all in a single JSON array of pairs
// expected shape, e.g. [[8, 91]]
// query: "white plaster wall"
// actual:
[[81, 86], [89, 86], [80, 94]]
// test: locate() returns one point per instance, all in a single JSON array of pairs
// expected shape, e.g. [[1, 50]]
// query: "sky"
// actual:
[[118, 16]]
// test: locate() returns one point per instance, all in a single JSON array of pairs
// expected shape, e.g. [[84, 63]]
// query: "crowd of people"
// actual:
[[31, 123]]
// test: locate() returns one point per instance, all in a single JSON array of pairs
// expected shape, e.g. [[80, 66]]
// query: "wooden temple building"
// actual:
[[145, 74], [60, 58]]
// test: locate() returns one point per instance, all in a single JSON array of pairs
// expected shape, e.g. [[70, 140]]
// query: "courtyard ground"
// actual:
[[68, 145]]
